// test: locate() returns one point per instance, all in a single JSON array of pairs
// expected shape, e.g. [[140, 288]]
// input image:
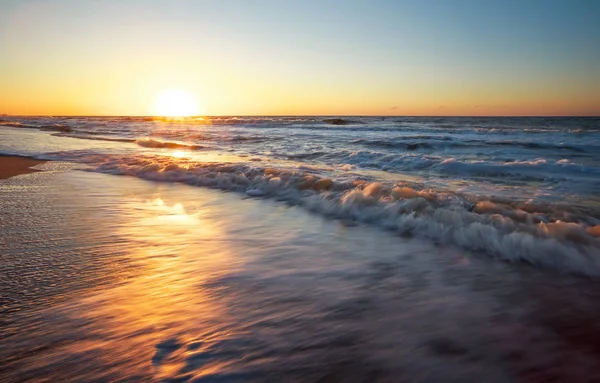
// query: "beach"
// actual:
[[299, 191], [144, 259], [11, 166], [110, 278]]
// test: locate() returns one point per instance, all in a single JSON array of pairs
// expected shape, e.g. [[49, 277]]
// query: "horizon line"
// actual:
[[308, 115]]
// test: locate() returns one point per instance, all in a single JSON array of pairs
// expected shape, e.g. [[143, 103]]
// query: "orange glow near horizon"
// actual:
[[126, 56]]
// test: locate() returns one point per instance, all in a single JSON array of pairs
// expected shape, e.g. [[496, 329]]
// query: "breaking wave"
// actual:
[[539, 169], [442, 142], [52, 127], [92, 137], [340, 121], [143, 142], [152, 143], [549, 236]]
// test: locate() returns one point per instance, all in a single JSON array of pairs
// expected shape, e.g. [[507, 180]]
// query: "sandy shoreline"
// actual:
[[11, 166]]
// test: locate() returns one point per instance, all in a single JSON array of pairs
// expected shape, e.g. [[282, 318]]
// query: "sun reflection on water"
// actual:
[[144, 322]]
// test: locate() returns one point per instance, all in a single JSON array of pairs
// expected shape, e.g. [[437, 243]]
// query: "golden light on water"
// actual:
[[166, 295], [176, 103]]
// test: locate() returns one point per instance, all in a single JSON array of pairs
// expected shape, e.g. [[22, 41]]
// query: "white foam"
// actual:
[[500, 230], [153, 143]]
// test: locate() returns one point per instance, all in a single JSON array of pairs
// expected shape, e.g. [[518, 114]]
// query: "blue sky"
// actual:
[[305, 57]]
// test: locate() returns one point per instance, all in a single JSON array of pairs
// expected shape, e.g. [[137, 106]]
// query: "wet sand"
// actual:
[[140, 281], [11, 166]]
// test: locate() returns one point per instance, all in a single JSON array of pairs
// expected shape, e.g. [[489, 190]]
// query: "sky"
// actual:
[[325, 57]]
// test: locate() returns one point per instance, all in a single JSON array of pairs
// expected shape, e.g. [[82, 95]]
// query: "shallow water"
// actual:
[[110, 278]]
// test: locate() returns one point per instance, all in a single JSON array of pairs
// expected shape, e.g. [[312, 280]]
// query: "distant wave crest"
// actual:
[[152, 143]]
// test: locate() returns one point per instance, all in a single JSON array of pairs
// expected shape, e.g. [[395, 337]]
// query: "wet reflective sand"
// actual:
[[14, 165], [109, 278]]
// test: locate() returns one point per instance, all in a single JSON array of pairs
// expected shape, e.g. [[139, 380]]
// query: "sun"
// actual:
[[176, 103]]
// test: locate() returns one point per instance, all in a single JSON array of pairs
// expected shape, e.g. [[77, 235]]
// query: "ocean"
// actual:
[[517, 189], [301, 249]]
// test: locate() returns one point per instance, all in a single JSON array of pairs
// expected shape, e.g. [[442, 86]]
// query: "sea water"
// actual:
[[229, 256], [517, 189]]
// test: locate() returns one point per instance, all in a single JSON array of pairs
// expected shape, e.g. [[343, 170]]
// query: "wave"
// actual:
[[152, 143], [393, 144], [537, 169], [562, 238], [442, 142], [341, 121], [143, 142], [14, 124], [54, 127], [528, 145], [92, 137], [192, 135], [147, 142], [240, 138], [306, 155]]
